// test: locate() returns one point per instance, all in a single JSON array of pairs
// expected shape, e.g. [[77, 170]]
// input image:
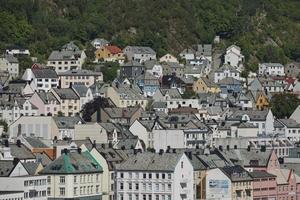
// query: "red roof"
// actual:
[[113, 49], [290, 80]]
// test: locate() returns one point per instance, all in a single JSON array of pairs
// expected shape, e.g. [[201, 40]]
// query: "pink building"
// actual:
[[264, 185], [46, 103]]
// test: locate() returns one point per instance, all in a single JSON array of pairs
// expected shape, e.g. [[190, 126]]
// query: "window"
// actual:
[[169, 176], [144, 175], [62, 180], [163, 176], [163, 187], [48, 191], [75, 179], [169, 187], [144, 186], [144, 197], [121, 186], [150, 186], [97, 188], [181, 164], [156, 197], [157, 176], [130, 175], [121, 175], [62, 191], [48, 179], [130, 186], [75, 191], [150, 176], [130, 196]]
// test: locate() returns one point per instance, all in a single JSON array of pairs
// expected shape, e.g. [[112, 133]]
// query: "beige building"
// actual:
[[38, 126], [78, 177], [85, 77], [204, 85], [124, 97], [68, 99], [92, 130], [168, 58]]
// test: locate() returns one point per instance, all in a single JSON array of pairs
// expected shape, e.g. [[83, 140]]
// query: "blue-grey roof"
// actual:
[[80, 89], [66, 93]]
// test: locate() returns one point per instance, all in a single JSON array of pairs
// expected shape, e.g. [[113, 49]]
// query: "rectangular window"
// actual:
[[75, 179], [130, 186], [62, 191], [62, 180], [75, 191]]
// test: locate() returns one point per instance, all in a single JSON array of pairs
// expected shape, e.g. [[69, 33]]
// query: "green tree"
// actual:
[[110, 70], [283, 105]]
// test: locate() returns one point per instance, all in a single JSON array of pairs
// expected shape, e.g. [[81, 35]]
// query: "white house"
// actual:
[[18, 176], [99, 42], [187, 54], [143, 129], [10, 64], [234, 57], [226, 71], [155, 176], [271, 69], [85, 94], [43, 79], [291, 129], [18, 52]]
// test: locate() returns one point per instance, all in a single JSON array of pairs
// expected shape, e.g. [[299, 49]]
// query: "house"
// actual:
[[68, 99], [43, 79], [234, 57], [10, 64], [291, 129], [84, 93], [271, 69], [173, 69], [66, 126], [109, 53], [168, 58], [226, 71], [68, 58], [187, 54], [260, 99], [154, 67], [204, 51], [139, 53], [148, 83], [124, 96], [143, 129], [21, 177], [5, 78], [166, 94], [132, 69], [45, 102], [262, 118], [20, 87], [173, 82], [230, 182], [198, 68], [74, 175], [144, 176], [230, 85], [160, 106], [204, 85], [109, 158], [99, 42], [93, 130], [86, 77], [264, 185], [292, 69], [13, 151], [124, 116], [38, 126]]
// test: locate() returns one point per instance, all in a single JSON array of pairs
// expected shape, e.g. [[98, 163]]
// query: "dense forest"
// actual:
[[267, 30]]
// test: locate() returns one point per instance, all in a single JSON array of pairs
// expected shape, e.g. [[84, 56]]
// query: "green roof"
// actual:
[[73, 163]]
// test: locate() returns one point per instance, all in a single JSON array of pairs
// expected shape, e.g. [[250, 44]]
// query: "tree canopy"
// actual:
[[284, 104]]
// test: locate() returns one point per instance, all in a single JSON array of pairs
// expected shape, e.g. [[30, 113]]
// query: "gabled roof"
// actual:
[[10, 58], [21, 152], [229, 81], [254, 115], [79, 72], [236, 173], [289, 123], [113, 49], [6, 167], [64, 55], [227, 67], [80, 89], [141, 50], [66, 93], [73, 163], [150, 162], [31, 167], [121, 112], [46, 97], [35, 142], [67, 122], [44, 73]]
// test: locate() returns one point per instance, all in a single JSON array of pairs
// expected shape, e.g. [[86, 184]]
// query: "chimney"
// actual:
[[6, 143], [79, 150], [221, 148], [64, 151], [16, 161], [228, 147], [19, 143], [248, 148], [134, 151], [123, 147], [189, 154], [174, 150], [94, 144], [161, 152]]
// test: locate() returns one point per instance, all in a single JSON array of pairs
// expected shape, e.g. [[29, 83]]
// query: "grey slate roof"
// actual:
[[227, 67], [229, 81], [10, 58], [31, 167], [261, 174], [150, 162], [21, 152], [64, 55], [70, 46], [80, 89], [44, 73], [35, 142], [42, 158], [127, 143], [6, 167], [79, 72], [121, 112], [289, 123], [47, 97], [173, 93], [141, 50], [66, 93], [159, 104], [73, 163], [236, 173], [254, 115], [212, 161], [67, 122]]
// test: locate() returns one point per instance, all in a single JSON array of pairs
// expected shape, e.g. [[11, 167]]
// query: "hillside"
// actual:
[[267, 30]]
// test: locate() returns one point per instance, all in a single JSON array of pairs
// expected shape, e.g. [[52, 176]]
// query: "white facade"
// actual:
[[162, 138], [11, 67], [139, 130], [234, 57], [34, 187], [157, 70], [168, 58], [175, 103], [218, 185], [140, 54], [226, 73], [44, 84], [273, 69], [74, 186], [160, 185], [18, 52]]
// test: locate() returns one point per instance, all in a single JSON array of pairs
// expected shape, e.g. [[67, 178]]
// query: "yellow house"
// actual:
[[110, 53], [204, 85], [262, 101]]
